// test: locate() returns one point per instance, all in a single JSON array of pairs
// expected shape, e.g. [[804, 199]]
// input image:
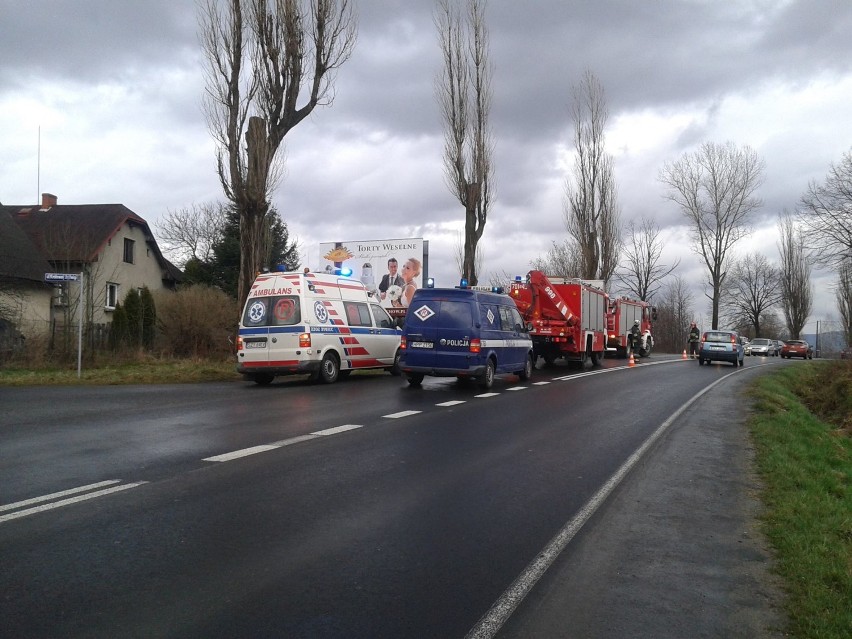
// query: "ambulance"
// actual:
[[322, 324]]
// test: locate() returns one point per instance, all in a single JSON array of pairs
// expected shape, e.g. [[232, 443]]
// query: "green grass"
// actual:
[[804, 456], [144, 371]]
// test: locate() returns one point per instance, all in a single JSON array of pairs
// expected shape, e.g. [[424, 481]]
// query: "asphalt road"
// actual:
[[370, 509]]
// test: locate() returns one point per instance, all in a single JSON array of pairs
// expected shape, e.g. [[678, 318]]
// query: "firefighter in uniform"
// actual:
[[694, 337], [635, 336]]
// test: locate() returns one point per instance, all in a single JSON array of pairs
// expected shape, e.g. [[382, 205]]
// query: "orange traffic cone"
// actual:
[[631, 362], [684, 354]]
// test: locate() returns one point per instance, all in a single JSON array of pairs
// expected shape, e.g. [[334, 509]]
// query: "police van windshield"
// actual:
[[273, 311]]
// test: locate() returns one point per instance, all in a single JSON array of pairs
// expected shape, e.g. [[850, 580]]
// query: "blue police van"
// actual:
[[464, 332]]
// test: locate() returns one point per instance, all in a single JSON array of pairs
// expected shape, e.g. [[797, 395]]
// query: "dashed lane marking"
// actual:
[[454, 402], [404, 413], [245, 452], [337, 429]]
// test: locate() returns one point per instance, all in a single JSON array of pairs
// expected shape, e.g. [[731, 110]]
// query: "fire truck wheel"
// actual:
[[415, 379], [596, 358], [528, 369], [329, 368], [487, 379]]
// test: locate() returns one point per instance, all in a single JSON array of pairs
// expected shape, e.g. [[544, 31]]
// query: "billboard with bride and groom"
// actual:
[[393, 269]]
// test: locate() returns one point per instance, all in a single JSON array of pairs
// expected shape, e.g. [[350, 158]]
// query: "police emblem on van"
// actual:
[[423, 313]]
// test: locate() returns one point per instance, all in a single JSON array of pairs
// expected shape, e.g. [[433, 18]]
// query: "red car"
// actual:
[[797, 348]]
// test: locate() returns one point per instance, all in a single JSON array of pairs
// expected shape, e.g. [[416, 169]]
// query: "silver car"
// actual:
[[762, 346]]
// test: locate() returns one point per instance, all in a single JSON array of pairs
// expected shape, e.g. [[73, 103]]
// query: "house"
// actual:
[[110, 245]]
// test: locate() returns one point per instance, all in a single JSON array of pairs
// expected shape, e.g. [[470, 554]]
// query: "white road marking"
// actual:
[[487, 395], [491, 622], [294, 440], [337, 429], [540, 383], [245, 452], [514, 388], [454, 402], [63, 493], [67, 502], [405, 413]]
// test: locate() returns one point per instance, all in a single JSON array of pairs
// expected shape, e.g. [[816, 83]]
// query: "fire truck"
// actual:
[[567, 317], [623, 312]]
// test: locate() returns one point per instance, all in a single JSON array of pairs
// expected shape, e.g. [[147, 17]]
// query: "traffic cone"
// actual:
[[631, 362], [684, 354]]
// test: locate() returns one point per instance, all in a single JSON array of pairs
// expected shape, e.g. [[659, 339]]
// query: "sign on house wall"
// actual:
[[393, 269]]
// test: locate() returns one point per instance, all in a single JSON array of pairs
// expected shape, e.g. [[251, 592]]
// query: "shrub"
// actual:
[[196, 321]]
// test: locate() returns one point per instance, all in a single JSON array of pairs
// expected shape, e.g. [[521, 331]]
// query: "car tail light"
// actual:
[[304, 340], [733, 339], [475, 346], [239, 342], [402, 343]]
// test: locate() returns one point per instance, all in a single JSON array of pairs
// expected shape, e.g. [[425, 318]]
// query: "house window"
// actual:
[[128, 250], [111, 296]]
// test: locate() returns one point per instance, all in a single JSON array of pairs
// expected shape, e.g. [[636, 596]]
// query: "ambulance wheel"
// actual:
[[329, 368], [263, 379], [487, 379], [528, 369], [395, 370], [343, 374], [415, 379]]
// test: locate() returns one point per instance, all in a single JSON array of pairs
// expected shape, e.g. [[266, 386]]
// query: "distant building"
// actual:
[[110, 244]]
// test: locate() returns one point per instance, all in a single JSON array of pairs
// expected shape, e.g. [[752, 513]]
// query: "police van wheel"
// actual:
[[487, 379], [415, 379], [528, 368], [329, 368]]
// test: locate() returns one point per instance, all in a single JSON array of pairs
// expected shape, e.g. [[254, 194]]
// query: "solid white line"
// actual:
[[490, 623], [294, 440], [337, 429], [245, 452], [405, 413], [454, 402], [63, 493], [514, 388], [487, 395], [67, 502]]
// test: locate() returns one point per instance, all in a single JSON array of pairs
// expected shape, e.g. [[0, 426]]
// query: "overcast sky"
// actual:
[[100, 103]]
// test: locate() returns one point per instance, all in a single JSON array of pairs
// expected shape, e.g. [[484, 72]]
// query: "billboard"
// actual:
[[393, 269]]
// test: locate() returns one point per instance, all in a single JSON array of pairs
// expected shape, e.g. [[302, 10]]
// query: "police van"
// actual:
[[464, 332], [322, 324]]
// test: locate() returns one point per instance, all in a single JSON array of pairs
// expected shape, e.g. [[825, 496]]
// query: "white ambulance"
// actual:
[[322, 324]]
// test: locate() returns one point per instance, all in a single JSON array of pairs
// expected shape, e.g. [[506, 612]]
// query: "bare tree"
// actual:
[[843, 295], [827, 214], [715, 189], [674, 314], [192, 232], [459, 255], [795, 277], [563, 260], [260, 55], [463, 91], [591, 209], [642, 273], [751, 291]]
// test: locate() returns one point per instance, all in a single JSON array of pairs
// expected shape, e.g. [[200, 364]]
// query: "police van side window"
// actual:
[[454, 314], [490, 316], [383, 320], [517, 319], [357, 314], [507, 322]]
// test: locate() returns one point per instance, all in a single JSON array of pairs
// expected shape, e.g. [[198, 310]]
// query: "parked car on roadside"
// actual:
[[762, 346], [797, 348], [723, 346]]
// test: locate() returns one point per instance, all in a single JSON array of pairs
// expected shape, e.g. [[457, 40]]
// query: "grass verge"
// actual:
[[143, 371], [804, 456]]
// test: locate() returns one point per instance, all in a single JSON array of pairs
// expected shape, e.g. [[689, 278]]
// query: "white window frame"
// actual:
[[111, 287]]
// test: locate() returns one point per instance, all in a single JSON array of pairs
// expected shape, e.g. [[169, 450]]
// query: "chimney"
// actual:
[[48, 200]]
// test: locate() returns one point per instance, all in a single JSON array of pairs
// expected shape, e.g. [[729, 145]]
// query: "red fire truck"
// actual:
[[568, 317], [622, 314]]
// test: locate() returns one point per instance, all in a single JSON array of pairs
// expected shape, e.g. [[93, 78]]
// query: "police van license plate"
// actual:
[[422, 345], [255, 344]]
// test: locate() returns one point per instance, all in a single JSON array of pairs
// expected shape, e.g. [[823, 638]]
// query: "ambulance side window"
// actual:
[[383, 320], [256, 312], [357, 314]]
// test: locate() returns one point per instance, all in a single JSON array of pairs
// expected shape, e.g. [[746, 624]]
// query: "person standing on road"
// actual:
[[694, 338]]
